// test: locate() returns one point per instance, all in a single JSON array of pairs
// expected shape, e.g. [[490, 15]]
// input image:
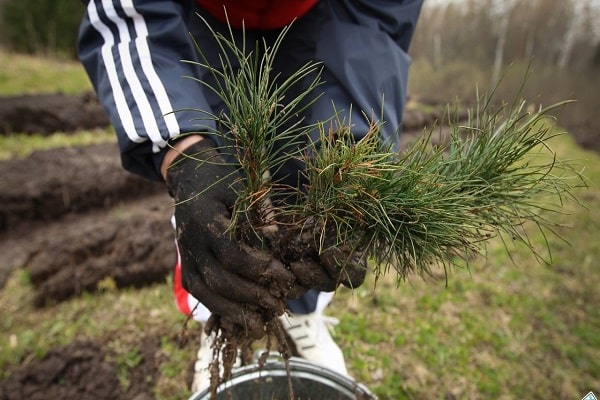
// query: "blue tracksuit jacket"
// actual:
[[133, 52]]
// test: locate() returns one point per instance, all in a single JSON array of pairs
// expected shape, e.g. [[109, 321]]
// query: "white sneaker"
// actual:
[[201, 379], [310, 333]]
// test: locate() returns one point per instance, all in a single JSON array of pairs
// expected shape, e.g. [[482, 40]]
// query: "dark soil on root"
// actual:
[[73, 217]]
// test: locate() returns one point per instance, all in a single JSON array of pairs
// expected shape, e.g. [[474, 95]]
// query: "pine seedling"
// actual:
[[259, 119], [436, 205]]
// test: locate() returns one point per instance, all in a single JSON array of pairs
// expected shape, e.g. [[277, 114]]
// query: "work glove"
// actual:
[[326, 268], [242, 285], [333, 267], [348, 266]]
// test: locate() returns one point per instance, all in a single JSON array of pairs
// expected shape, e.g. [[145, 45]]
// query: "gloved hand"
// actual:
[[348, 266], [240, 284], [322, 270], [334, 266]]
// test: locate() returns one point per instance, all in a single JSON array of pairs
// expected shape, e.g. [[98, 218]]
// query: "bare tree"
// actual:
[[571, 33], [501, 11]]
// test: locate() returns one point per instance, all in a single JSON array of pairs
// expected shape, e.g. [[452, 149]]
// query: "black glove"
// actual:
[[334, 266], [348, 267], [240, 284], [322, 270]]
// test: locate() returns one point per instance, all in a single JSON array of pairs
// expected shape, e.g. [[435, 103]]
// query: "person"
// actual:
[[134, 53]]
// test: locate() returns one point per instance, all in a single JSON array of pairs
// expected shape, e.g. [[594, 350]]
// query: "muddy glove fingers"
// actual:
[[229, 285], [205, 190], [237, 270], [281, 282], [311, 274], [344, 265], [235, 312], [259, 266]]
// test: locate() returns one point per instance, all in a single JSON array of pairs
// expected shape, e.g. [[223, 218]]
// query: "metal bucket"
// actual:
[[309, 382]]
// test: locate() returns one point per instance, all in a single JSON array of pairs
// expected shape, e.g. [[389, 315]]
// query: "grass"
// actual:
[[21, 145], [503, 329], [22, 74]]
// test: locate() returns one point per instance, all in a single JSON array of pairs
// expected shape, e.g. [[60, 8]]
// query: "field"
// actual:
[[86, 309]]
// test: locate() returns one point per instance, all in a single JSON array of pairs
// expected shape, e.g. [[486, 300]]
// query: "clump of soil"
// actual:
[[52, 112], [80, 371], [72, 217]]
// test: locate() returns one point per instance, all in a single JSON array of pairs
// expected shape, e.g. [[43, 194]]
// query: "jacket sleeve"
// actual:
[[364, 47], [132, 51], [396, 18]]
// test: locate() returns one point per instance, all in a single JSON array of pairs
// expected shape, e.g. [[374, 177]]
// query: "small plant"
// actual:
[[431, 205]]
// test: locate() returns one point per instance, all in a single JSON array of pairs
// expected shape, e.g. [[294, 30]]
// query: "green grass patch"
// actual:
[[16, 145], [119, 319], [23, 74]]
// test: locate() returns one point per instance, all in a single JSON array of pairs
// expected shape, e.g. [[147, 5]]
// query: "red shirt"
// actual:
[[257, 14]]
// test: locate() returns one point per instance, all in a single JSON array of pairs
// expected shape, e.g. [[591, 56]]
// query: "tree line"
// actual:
[[563, 33], [42, 27], [546, 51], [458, 45]]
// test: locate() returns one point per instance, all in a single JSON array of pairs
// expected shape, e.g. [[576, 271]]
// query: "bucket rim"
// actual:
[[299, 368]]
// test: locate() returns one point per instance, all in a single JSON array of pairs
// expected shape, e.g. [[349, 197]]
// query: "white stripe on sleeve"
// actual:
[[137, 90], [146, 60], [111, 70]]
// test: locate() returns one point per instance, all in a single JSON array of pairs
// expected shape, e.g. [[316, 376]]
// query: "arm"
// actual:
[[132, 52], [396, 18], [364, 48]]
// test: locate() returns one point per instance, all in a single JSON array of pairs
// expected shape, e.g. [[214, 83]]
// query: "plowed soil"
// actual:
[[72, 217]]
